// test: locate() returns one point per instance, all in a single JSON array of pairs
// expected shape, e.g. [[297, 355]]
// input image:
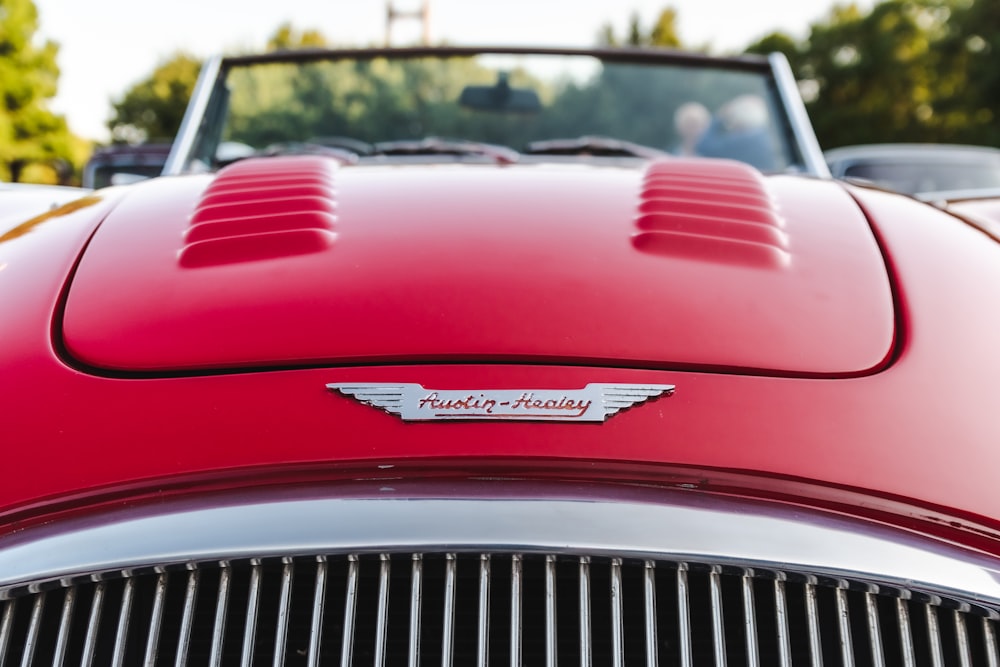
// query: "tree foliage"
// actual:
[[30, 134], [154, 108], [907, 70], [663, 32]]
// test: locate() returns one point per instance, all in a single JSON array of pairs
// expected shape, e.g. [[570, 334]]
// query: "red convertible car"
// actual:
[[484, 357]]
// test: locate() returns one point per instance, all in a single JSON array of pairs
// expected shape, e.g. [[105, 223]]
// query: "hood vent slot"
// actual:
[[260, 209], [710, 210]]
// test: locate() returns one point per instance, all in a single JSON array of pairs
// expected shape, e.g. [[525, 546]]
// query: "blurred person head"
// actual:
[[690, 122]]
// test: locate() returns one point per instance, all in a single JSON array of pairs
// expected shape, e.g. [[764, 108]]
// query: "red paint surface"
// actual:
[[918, 436], [484, 264]]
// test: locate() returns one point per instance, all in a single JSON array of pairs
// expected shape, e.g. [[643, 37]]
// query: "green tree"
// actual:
[[663, 32], [968, 105], [871, 76], [30, 134], [153, 108]]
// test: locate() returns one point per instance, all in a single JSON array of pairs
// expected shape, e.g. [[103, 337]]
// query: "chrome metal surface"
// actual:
[[798, 117], [412, 402], [552, 589], [416, 603], [156, 621], [221, 611], [649, 581], [183, 144]]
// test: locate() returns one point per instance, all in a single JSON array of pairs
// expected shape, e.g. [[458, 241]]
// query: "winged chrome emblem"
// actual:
[[413, 402]]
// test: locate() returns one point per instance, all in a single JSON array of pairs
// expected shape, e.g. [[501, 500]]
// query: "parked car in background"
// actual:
[[120, 164], [929, 171], [445, 356]]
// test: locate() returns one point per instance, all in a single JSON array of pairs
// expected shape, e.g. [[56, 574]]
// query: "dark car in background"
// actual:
[[120, 164], [927, 171]]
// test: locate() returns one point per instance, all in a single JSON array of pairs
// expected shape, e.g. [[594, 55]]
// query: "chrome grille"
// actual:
[[485, 609]]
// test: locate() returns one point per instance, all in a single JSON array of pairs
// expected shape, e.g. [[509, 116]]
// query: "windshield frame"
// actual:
[[210, 92]]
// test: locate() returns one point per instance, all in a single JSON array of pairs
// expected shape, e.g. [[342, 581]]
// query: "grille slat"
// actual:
[[516, 573], [483, 629], [563, 610], [93, 625], [253, 602], [934, 636], [350, 607], [34, 628], [416, 596], [649, 590], [221, 611], [684, 616], [586, 660], [124, 615], [781, 620], [319, 603], [812, 616], [718, 619], [874, 630], [844, 618], [750, 620], [550, 611], [156, 621]]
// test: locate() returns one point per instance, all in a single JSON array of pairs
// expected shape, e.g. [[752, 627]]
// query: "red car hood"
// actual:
[[296, 261]]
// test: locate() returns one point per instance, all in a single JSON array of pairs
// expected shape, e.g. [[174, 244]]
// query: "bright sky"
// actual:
[[108, 45]]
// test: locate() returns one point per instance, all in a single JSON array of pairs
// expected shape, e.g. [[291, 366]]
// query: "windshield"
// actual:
[[461, 106]]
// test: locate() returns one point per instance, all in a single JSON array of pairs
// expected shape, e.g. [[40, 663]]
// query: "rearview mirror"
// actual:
[[500, 97]]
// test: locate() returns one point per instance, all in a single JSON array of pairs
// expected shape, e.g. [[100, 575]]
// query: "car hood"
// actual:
[[299, 261]]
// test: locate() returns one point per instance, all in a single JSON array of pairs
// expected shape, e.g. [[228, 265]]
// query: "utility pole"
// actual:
[[423, 13]]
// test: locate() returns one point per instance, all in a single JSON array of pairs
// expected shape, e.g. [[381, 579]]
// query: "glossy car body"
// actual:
[[247, 411]]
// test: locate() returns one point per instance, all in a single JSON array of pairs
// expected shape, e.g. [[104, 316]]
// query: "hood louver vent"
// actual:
[[261, 209], [710, 211]]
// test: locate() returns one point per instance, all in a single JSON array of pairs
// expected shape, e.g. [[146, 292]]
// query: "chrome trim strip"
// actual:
[[34, 628], [781, 620], [586, 659], [221, 611], [382, 617], [319, 606], [718, 624], [516, 570], [350, 607], [692, 527], [183, 144], [684, 615], [798, 117], [874, 630], [617, 623], [62, 642], [284, 610], [187, 620], [812, 615], [253, 603], [483, 634], [448, 624], [124, 615], [93, 622], [550, 611], [156, 620], [905, 634], [413, 658], [844, 618], [649, 579], [750, 620]]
